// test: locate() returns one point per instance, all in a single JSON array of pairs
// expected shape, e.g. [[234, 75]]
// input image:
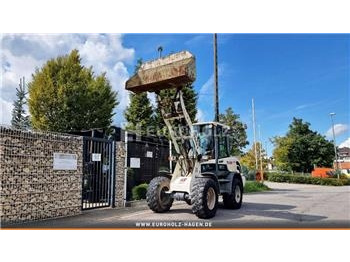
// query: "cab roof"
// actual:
[[211, 123]]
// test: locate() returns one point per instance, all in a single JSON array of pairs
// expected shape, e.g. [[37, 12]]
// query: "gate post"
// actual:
[[113, 175], [125, 167], [120, 182]]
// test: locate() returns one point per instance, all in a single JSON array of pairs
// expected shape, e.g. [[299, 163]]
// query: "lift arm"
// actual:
[[174, 71]]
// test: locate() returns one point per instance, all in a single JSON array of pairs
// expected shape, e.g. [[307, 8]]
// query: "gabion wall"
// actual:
[[29, 187]]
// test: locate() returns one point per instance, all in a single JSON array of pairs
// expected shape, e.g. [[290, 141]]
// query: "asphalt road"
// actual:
[[286, 205]]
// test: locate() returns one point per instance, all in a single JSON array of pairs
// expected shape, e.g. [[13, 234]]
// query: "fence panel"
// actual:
[[152, 155]]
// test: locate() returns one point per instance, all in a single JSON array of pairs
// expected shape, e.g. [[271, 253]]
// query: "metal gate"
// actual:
[[98, 188]]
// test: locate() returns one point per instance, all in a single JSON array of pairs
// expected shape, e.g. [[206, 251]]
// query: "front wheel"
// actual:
[[234, 200], [157, 200], [204, 195]]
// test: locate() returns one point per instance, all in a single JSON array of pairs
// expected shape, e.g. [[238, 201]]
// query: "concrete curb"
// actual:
[[143, 203], [136, 203]]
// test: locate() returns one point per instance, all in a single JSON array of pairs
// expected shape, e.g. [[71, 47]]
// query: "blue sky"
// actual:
[[301, 75]]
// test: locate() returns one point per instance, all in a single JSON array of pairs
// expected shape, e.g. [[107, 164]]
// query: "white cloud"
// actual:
[[200, 115], [338, 130], [152, 98], [17, 66], [206, 96], [6, 110], [118, 76], [22, 53], [345, 143], [207, 88], [199, 39], [304, 106]]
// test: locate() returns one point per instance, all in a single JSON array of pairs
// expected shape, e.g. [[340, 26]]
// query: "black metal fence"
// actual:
[[146, 156], [98, 173]]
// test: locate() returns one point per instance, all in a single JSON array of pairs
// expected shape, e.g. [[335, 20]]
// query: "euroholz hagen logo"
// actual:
[[174, 224]]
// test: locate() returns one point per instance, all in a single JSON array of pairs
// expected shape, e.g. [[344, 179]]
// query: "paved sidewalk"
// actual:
[[286, 205]]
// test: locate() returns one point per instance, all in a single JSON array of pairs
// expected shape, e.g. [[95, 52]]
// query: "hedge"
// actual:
[[346, 181], [254, 186], [251, 175], [298, 179], [139, 192]]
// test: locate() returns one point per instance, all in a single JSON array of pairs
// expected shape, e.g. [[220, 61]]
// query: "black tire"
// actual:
[[199, 197], [234, 200], [157, 200]]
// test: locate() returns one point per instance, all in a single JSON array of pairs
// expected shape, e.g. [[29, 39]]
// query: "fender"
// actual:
[[234, 175], [238, 175], [165, 173], [227, 187], [212, 176]]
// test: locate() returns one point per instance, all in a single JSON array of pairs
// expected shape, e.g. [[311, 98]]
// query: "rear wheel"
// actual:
[[204, 196], [234, 200], [157, 200]]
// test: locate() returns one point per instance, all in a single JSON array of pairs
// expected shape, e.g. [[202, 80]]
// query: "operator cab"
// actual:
[[205, 134]]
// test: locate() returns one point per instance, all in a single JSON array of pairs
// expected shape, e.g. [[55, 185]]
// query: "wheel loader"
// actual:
[[204, 168]]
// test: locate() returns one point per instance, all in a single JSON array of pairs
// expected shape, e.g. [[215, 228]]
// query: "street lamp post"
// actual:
[[335, 145]]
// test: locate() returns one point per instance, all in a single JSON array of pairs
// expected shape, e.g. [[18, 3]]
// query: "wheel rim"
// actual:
[[211, 198], [238, 193], [163, 197]]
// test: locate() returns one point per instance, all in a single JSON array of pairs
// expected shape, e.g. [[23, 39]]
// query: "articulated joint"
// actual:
[[181, 196]]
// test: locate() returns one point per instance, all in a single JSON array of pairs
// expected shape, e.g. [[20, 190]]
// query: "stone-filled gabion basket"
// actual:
[[30, 189]]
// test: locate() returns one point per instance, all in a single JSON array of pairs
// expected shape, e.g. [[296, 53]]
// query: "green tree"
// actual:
[[248, 159], [19, 118], [238, 135], [190, 99], [139, 113], [138, 65], [302, 149], [280, 153], [66, 96]]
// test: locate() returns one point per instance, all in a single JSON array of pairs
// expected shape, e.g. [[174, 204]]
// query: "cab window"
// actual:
[[222, 140], [205, 139]]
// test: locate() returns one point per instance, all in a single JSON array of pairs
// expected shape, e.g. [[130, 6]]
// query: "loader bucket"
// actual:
[[170, 71]]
